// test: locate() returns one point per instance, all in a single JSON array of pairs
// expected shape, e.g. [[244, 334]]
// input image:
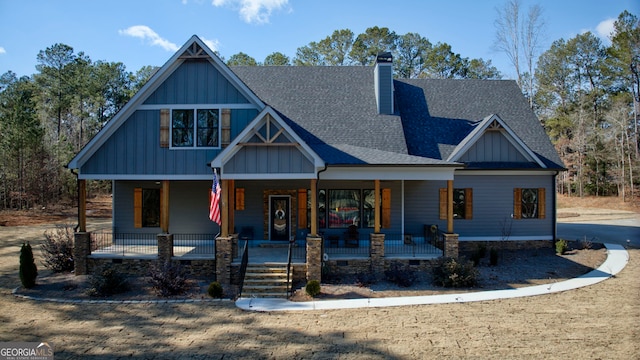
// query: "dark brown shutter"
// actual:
[[517, 203], [164, 128], [468, 203], [386, 208], [239, 199], [443, 203], [137, 207], [302, 208]]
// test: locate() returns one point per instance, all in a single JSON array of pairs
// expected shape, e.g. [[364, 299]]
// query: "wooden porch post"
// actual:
[[232, 205], [450, 206], [224, 209], [314, 207], [82, 205], [164, 203], [376, 206]]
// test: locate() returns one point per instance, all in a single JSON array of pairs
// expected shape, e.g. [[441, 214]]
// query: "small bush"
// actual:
[[57, 249], [585, 244], [450, 272], [215, 290], [561, 246], [364, 279], [169, 279], [400, 277], [493, 257], [106, 281], [28, 268], [313, 288]]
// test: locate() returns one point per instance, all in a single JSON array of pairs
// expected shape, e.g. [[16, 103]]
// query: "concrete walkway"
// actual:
[[617, 259]]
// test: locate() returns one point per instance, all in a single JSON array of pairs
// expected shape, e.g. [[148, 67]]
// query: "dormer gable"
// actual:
[[492, 141]]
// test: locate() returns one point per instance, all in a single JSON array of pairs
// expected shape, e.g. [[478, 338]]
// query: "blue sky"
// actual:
[[147, 32]]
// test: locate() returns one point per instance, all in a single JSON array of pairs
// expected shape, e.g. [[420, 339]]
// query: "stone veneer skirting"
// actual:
[[470, 246]]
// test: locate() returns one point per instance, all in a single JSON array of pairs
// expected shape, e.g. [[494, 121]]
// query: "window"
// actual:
[[344, 208], [462, 203], [528, 203], [146, 203], [351, 207], [195, 128]]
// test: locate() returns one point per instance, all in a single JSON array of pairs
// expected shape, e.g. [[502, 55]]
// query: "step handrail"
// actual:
[[291, 242], [243, 265]]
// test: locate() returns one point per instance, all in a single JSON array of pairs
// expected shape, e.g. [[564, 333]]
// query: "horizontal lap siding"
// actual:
[[492, 206], [188, 207]]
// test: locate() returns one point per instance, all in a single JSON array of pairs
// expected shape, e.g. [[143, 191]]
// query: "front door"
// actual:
[[280, 218]]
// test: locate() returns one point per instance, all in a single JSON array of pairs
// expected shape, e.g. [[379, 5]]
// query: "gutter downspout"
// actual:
[[555, 206]]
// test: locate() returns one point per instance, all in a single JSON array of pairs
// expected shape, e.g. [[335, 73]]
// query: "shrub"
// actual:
[[169, 279], [561, 246], [493, 257], [313, 288], [450, 272], [400, 277], [364, 279], [215, 290], [106, 281], [57, 249], [28, 268]]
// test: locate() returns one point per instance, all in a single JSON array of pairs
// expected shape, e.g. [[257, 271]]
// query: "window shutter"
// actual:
[[468, 203], [541, 203], [443, 203], [137, 207], [302, 208], [386, 208], [239, 199], [226, 127], [164, 128], [517, 203]]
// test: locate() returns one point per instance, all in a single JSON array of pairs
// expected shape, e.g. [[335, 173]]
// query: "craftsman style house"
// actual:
[[350, 163]]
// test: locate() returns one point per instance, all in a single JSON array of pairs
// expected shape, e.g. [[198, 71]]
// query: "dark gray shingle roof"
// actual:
[[333, 109]]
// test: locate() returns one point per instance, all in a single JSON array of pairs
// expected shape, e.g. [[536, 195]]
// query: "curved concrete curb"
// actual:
[[617, 259]]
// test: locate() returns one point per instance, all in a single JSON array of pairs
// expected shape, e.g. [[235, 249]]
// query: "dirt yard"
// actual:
[[596, 322]]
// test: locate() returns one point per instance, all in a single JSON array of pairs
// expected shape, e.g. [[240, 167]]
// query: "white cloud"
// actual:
[[605, 29], [146, 33], [2, 50], [253, 11], [212, 44]]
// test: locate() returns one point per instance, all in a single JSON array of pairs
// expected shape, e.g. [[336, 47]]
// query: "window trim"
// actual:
[[468, 204], [194, 130]]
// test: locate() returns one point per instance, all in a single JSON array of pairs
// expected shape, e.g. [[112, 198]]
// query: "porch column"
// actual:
[[165, 247], [232, 205], [224, 209], [223, 260], [81, 250], [450, 206], [314, 207], [376, 206], [164, 204], [376, 252], [82, 205], [314, 257]]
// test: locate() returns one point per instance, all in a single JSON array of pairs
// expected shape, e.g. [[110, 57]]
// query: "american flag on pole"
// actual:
[[214, 200]]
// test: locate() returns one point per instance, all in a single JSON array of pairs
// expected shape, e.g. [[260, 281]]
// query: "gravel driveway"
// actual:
[[596, 322]]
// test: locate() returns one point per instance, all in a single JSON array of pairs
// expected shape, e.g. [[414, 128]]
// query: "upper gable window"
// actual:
[[195, 128]]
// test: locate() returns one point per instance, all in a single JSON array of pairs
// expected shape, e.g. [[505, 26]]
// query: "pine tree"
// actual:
[[28, 269]]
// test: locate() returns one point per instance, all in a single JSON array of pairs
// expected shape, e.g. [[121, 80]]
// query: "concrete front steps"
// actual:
[[265, 281]]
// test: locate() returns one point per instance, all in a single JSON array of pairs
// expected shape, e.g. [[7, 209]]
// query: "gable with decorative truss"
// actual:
[[492, 141], [267, 146]]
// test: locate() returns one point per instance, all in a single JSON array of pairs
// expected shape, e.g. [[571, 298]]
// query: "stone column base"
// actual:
[[451, 244], [81, 250], [314, 258]]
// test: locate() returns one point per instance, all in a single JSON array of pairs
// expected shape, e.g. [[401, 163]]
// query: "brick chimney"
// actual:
[[383, 74]]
